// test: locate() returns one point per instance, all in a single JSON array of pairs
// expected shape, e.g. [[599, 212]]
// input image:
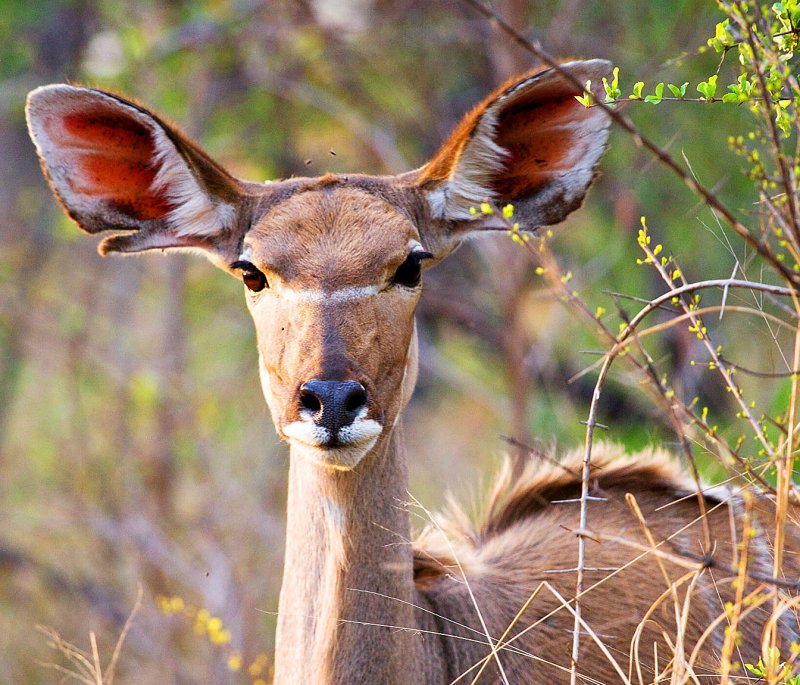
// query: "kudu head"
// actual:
[[331, 265]]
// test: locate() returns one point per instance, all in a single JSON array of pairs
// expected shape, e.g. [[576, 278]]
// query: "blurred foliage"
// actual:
[[134, 442]]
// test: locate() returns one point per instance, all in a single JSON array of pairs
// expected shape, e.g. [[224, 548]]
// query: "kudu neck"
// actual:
[[348, 576]]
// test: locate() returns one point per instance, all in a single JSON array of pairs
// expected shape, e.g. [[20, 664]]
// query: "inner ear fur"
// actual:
[[116, 166], [530, 143]]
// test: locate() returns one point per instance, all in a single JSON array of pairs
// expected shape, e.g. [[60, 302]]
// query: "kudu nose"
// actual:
[[334, 403]]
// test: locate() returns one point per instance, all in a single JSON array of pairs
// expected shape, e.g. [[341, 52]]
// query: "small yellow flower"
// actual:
[[220, 637], [201, 622], [486, 208], [508, 211], [235, 662], [163, 604]]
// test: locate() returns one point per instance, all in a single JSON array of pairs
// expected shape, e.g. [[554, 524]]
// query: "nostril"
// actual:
[[356, 398], [308, 400], [332, 404]]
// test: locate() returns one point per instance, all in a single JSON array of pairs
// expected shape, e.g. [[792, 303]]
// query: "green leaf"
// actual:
[[740, 92], [637, 91], [783, 120], [723, 38], [613, 92], [758, 669], [586, 99], [659, 94], [708, 88]]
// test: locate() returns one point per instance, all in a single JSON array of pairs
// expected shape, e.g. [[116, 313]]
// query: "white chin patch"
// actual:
[[355, 441]]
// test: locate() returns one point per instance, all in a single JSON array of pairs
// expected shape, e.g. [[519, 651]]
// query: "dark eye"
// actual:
[[253, 279], [409, 272]]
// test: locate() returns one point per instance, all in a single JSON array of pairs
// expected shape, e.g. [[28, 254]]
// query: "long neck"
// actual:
[[348, 582]]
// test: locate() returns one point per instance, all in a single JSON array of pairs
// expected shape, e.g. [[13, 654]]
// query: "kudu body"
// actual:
[[332, 269]]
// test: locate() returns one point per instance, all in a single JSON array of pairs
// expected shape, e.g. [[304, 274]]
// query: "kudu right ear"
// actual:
[[116, 166], [530, 143]]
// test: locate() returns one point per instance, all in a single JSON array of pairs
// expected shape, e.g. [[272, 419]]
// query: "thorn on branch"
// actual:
[[594, 424]]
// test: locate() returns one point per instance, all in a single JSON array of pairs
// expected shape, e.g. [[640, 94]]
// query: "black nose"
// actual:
[[334, 403]]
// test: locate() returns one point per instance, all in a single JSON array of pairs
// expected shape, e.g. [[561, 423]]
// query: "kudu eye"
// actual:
[[254, 280], [410, 271]]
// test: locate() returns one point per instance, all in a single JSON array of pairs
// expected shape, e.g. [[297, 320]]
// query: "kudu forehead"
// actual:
[[333, 237]]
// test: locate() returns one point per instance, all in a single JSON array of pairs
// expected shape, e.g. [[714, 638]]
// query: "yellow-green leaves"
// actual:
[[657, 97], [741, 91], [678, 91], [612, 89], [587, 100], [723, 37], [708, 88]]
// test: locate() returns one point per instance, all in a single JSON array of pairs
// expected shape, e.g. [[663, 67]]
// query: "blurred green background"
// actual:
[[135, 446]]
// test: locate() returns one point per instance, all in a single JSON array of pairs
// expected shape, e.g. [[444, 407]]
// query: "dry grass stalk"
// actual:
[[86, 667]]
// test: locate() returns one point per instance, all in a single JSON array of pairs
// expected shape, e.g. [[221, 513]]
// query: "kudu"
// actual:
[[332, 273]]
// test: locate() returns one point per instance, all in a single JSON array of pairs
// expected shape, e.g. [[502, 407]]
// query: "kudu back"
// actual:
[[332, 269]]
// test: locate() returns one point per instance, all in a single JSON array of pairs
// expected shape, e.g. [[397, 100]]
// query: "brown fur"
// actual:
[[526, 539]]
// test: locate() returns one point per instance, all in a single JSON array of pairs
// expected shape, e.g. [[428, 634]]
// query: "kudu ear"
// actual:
[[530, 143], [116, 166]]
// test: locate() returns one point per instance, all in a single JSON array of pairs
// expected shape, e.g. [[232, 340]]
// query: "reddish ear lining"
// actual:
[[109, 156], [542, 139], [125, 186], [103, 127]]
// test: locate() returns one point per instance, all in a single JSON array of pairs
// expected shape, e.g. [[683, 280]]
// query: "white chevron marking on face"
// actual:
[[333, 296]]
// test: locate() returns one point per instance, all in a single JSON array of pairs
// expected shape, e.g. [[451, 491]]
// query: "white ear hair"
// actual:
[[471, 181], [530, 143], [194, 213]]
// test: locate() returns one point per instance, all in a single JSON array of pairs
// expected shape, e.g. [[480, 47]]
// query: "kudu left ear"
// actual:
[[530, 143], [116, 166]]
